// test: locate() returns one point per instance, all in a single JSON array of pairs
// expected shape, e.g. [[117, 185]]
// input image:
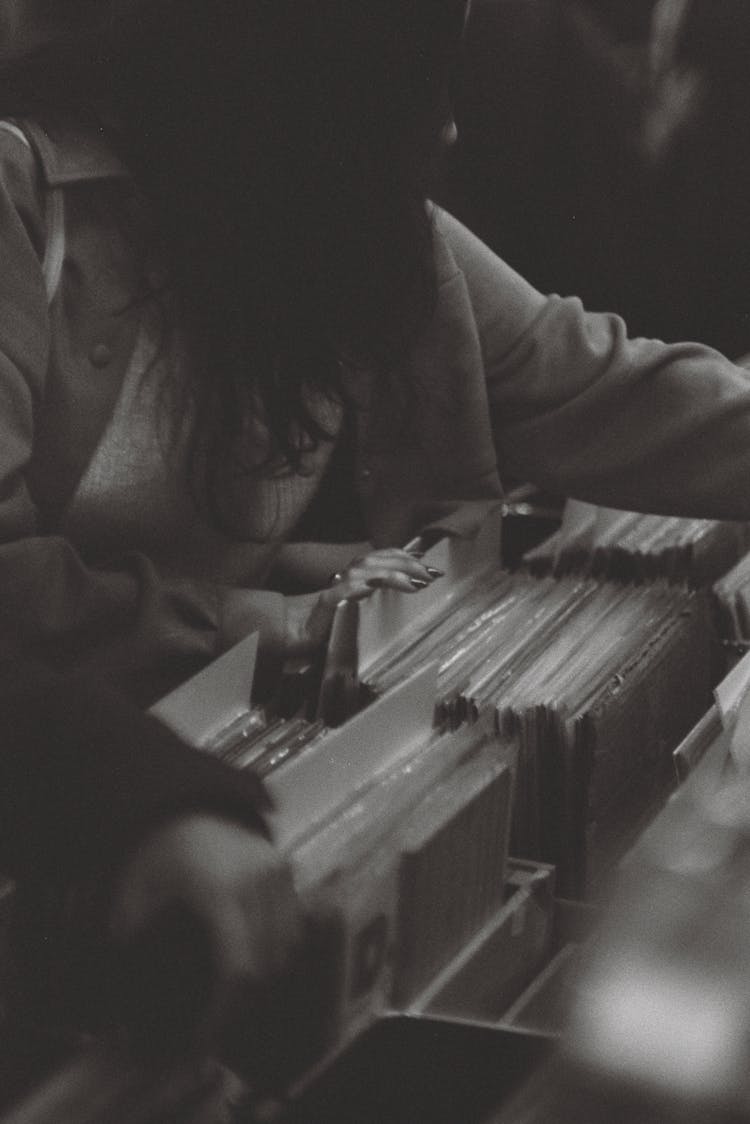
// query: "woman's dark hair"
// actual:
[[286, 147]]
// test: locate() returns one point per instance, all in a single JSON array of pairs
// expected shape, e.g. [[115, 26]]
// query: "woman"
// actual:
[[256, 357]]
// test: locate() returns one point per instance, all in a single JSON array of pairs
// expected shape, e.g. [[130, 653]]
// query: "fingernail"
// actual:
[[435, 573], [417, 583]]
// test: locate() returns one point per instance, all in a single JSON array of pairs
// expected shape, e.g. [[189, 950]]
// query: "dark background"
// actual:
[[554, 169]]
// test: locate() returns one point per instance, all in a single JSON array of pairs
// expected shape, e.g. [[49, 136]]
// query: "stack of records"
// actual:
[[626, 546], [599, 681], [213, 711], [264, 743], [732, 596], [397, 832], [413, 859], [414, 866]]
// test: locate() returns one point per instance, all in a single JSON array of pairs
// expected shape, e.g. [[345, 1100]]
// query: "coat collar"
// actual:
[[74, 152]]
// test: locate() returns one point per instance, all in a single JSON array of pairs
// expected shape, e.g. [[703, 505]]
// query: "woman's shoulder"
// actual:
[[460, 245], [493, 285]]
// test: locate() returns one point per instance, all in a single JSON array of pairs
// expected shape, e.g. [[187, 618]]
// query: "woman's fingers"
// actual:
[[357, 584], [392, 559], [309, 617], [384, 569], [396, 579]]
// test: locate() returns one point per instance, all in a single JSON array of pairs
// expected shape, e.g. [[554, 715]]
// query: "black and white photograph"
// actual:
[[374, 562]]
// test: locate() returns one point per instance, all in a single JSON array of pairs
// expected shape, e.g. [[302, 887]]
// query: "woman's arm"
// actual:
[[582, 410]]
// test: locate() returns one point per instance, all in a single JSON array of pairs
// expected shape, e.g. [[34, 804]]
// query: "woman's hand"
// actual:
[[236, 893], [309, 616]]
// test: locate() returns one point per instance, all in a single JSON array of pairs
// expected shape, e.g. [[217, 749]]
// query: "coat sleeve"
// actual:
[[583, 410], [125, 623], [85, 778], [85, 775]]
